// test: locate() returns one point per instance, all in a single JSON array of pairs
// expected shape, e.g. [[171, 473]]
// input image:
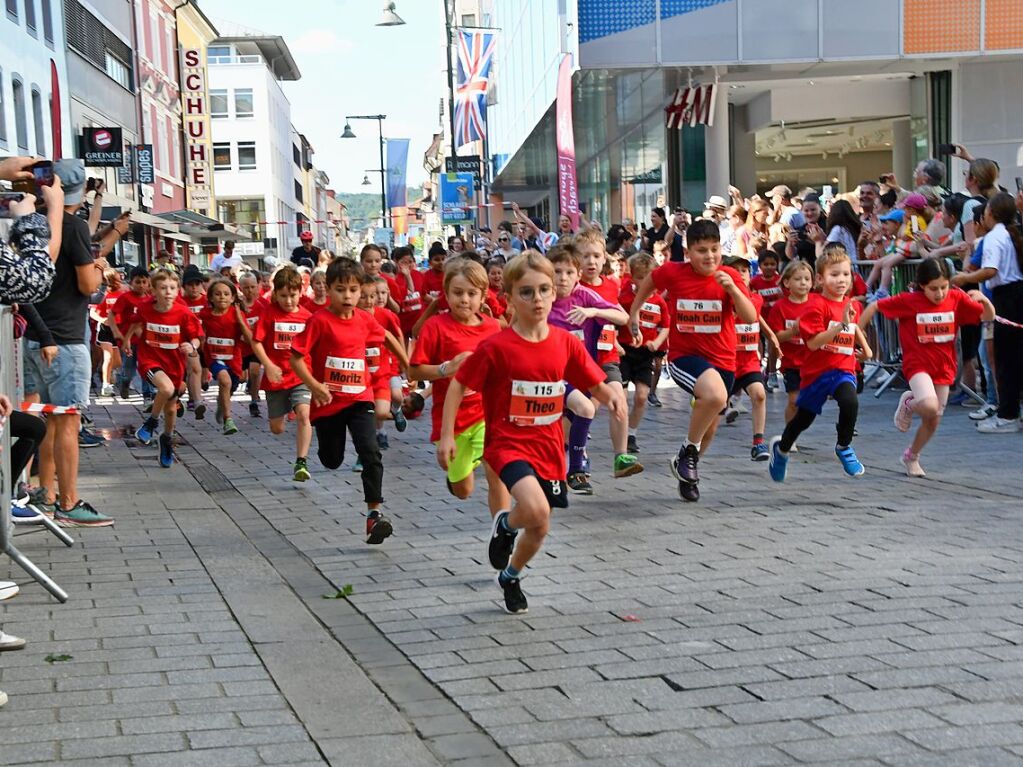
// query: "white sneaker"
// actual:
[[996, 425], [10, 642], [8, 589], [107, 390], [904, 412], [912, 465], [983, 413], [3, 698]]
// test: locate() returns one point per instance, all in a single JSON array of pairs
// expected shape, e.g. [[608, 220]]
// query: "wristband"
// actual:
[[442, 369]]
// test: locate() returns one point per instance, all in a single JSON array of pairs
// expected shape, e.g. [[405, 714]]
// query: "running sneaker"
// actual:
[[850, 462], [81, 514], [502, 542], [254, 410], [357, 466], [683, 465], [689, 492], [200, 410], [125, 391], [778, 462], [25, 515], [8, 589], [219, 417], [996, 425], [632, 446], [87, 438], [144, 433], [378, 529], [230, 427], [578, 484], [626, 465], [514, 600], [190, 406], [731, 415], [11, 642], [301, 470], [772, 383], [653, 400], [37, 502], [400, 422], [181, 409], [107, 390], [382, 441], [983, 413], [759, 452], [903, 417], [166, 451], [911, 463]]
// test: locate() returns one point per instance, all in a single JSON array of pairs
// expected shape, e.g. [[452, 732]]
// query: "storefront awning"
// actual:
[[201, 227]]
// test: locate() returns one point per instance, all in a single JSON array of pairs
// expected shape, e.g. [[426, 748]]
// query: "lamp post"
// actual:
[[348, 133]]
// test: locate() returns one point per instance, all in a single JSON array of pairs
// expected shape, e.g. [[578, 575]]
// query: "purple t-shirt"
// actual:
[[589, 332]]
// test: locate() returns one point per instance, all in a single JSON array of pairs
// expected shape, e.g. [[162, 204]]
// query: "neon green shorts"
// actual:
[[468, 452]]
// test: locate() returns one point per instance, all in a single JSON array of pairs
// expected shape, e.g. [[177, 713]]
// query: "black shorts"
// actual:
[[105, 335], [791, 378], [969, 339], [556, 490], [637, 366], [249, 359], [612, 372], [746, 380]]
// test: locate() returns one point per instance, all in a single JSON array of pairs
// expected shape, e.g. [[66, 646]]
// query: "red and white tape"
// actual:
[[1010, 323], [36, 407]]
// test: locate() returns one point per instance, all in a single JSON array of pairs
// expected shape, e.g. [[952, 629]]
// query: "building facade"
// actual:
[[195, 33]]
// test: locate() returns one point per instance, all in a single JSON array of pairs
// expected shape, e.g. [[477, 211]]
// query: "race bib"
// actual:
[[221, 348], [163, 336], [373, 358], [536, 403], [770, 294], [843, 343], [936, 327], [748, 337], [345, 375], [649, 316], [796, 340], [285, 332], [433, 294], [606, 342], [413, 302], [698, 316], [252, 321], [196, 309]]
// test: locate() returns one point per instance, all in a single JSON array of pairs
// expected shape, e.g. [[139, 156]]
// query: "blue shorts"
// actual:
[[813, 396], [66, 381], [216, 366], [686, 370]]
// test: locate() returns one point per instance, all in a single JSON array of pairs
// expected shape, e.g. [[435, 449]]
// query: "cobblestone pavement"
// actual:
[[826, 621]]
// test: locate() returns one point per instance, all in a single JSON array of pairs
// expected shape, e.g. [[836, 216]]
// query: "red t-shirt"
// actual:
[[388, 321], [441, 339], [433, 284], [162, 334], [653, 315], [336, 350], [927, 331], [275, 330], [522, 384], [609, 289], [747, 340], [859, 286], [784, 315], [124, 310], [307, 303], [410, 301], [702, 313], [821, 314], [769, 290], [223, 339], [106, 306], [195, 305]]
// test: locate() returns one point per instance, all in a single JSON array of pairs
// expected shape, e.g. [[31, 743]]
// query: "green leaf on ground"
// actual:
[[343, 593], [57, 658]]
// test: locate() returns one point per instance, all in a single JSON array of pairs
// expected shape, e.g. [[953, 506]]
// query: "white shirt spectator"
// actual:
[[1000, 255]]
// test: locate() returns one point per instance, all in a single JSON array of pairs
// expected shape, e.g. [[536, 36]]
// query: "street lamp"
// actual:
[[389, 17], [348, 133]]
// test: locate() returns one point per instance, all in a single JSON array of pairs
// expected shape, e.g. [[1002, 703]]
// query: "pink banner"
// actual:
[[568, 191]]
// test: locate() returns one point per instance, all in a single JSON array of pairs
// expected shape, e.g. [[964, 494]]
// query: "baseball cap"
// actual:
[[306, 237], [72, 178], [716, 201], [734, 261], [893, 215], [191, 274], [780, 191]]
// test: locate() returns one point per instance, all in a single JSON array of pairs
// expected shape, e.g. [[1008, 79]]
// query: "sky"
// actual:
[[351, 66]]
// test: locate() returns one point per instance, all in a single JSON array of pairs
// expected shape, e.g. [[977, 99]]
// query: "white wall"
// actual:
[[988, 117]]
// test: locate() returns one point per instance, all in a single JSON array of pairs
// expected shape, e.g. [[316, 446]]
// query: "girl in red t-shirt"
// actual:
[[316, 299], [797, 280], [928, 318], [102, 313], [226, 330]]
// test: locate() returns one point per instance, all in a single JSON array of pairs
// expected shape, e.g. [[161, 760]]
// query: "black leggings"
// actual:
[[848, 409], [1008, 301], [27, 432], [360, 419]]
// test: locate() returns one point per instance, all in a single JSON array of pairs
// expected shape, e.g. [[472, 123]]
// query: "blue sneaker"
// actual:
[[25, 515], [850, 462], [166, 451], [144, 433], [87, 439], [778, 462], [357, 467], [400, 422]]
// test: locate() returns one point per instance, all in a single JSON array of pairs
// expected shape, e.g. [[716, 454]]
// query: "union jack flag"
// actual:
[[475, 55]]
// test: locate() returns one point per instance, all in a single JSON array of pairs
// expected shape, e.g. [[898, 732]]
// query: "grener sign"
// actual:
[[198, 141]]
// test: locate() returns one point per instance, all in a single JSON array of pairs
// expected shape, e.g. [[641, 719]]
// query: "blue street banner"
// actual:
[[397, 166], [457, 198]]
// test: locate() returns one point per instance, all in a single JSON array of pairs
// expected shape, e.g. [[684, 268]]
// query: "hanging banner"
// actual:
[[568, 191], [457, 198], [397, 166]]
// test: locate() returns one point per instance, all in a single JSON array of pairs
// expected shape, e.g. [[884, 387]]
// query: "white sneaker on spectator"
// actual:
[[10, 642], [983, 413], [8, 589], [996, 425]]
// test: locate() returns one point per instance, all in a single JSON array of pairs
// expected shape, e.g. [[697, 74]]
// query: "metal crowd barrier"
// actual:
[[10, 384]]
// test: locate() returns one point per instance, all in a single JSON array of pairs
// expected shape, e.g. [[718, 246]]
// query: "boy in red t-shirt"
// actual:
[[252, 307], [280, 321], [433, 277], [829, 330], [167, 331], [329, 357], [193, 295], [705, 300], [121, 314], [768, 284], [520, 374], [444, 344]]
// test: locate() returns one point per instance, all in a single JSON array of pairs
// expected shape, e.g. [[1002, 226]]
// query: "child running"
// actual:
[[706, 300], [122, 314], [928, 318], [316, 299], [769, 285], [252, 306], [226, 329], [193, 295], [281, 320], [784, 321], [329, 357], [104, 334], [444, 344], [829, 329], [390, 391], [168, 330], [520, 374]]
